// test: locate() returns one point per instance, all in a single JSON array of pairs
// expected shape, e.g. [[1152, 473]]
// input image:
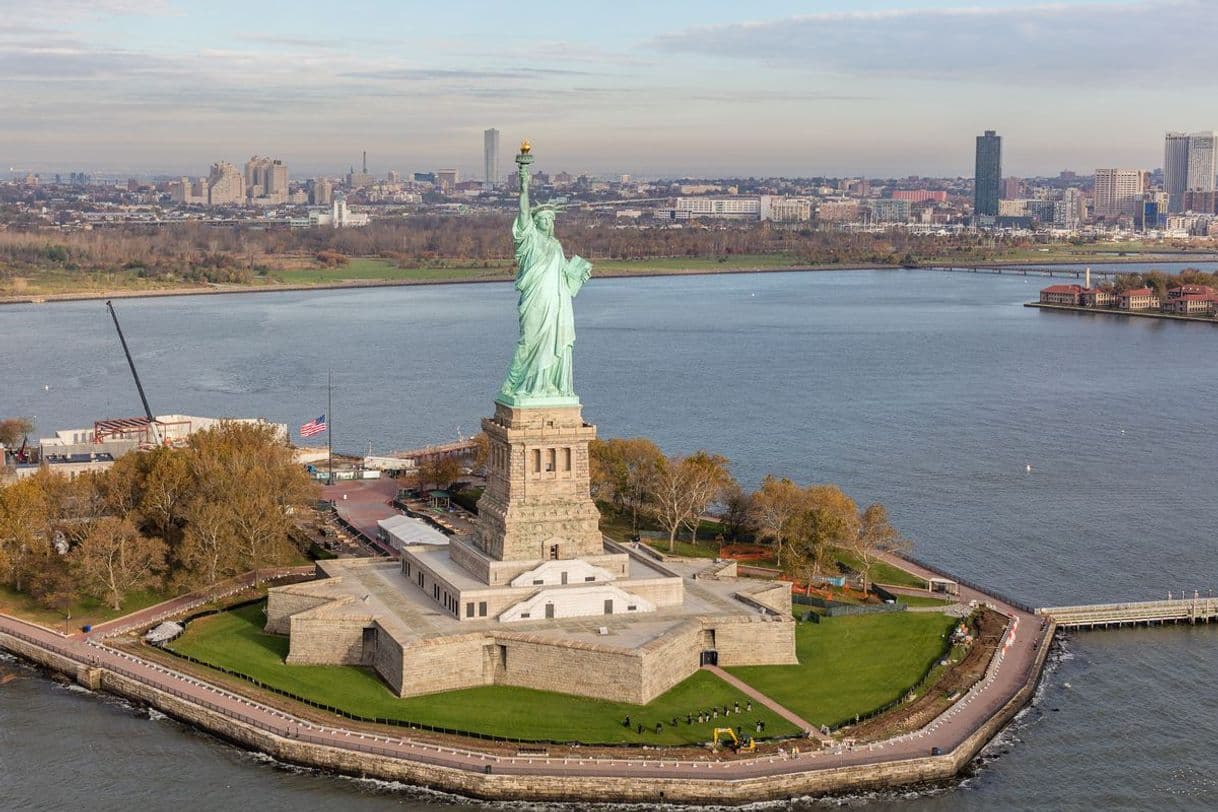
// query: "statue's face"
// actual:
[[545, 223]]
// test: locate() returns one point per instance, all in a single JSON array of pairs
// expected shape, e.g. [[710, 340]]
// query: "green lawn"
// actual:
[[881, 573], [235, 640], [83, 611], [924, 600], [852, 665]]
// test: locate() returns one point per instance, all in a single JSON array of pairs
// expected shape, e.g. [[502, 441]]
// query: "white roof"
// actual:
[[404, 530]]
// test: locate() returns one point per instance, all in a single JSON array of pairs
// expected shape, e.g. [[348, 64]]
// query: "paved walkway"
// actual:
[[1008, 673], [753, 693]]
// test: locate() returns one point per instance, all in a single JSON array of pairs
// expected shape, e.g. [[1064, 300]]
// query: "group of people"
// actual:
[[701, 717]]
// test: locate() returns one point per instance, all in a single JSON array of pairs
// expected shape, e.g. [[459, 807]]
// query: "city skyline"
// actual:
[[788, 93]]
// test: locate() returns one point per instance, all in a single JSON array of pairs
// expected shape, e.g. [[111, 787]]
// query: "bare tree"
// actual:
[[114, 559], [875, 538]]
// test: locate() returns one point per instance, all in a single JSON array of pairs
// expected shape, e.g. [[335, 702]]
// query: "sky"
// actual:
[[707, 88]]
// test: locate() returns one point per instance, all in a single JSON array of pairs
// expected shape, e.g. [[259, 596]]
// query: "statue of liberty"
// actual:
[[540, 374]]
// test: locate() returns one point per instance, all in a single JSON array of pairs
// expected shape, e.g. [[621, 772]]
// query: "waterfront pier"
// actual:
[[1141, 613]]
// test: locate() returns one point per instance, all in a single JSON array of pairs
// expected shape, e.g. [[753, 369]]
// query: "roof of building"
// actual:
[[409, 530], [1063, 289], [1139, 292]]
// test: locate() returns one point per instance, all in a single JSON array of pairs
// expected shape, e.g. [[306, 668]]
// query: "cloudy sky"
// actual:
[[875, 87]]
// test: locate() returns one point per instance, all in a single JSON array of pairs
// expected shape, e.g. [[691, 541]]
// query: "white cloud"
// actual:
[[1092, 43]]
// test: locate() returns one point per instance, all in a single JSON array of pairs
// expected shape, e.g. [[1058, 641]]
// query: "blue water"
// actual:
[[930, 392]]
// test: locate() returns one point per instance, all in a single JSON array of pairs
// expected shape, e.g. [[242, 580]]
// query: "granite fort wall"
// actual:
[[753, 640]]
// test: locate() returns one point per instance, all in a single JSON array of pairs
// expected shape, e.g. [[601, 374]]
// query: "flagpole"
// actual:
[[330, 424]]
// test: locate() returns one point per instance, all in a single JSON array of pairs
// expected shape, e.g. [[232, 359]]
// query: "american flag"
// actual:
[[313, 427]]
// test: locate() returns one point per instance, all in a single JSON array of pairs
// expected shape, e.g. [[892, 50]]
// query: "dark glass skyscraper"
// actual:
[[987, 174]]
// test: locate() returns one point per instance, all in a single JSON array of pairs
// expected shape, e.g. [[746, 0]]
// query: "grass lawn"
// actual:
[[235, 640], [83, 611], [852, 665], [924, 600], [881, 573]]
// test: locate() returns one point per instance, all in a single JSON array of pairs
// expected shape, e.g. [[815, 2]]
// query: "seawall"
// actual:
[[488, 775]]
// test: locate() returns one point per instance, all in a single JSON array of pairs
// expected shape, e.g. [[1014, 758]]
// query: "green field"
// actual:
[[852, 665], [82, 611], [377, 270], [924, 600], [235, 640]]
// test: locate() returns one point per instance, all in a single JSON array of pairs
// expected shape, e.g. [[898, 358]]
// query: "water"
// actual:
[[929, 392]]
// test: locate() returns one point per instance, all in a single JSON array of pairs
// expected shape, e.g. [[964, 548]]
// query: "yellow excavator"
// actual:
[[729, 736]]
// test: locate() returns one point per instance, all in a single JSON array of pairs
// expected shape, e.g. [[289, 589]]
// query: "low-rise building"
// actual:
[[1191, 304], [1061, 294], [1190, 290], [1137, 299], [1096, 297]]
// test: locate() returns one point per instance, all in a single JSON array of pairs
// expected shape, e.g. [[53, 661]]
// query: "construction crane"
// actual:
[[152, 424]]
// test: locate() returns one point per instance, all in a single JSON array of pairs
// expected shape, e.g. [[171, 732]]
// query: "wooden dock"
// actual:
[[1143, 613]]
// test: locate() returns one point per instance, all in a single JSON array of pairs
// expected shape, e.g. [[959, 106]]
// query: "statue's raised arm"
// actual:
[[540, 374]]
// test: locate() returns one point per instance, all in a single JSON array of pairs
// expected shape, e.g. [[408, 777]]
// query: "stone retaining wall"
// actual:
[[537, 785]]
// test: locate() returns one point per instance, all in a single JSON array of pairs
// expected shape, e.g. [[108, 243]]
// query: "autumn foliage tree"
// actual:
[[624, 473], [114, 558]]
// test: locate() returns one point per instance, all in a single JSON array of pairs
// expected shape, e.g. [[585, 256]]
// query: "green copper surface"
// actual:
[[540, 374]]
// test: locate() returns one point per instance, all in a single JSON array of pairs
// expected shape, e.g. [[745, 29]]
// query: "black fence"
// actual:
[[355, 717], [1007, 599]]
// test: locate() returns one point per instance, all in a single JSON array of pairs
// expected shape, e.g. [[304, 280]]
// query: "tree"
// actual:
[[775, 504], [439, 471], [708, 480], [165, 490], [209, 550], [684, 488], [812, 534], [737, 512], [832, 499], [24, 529], [875, 537], [13, 431], [624, 472], [114, 559]]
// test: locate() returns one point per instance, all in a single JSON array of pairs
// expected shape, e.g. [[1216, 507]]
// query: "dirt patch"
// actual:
[[951, 684]]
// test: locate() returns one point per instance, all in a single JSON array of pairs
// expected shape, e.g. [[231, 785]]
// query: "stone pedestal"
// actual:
[[537, 504]]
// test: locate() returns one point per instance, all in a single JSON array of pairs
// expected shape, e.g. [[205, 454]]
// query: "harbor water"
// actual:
[[1059, 457]]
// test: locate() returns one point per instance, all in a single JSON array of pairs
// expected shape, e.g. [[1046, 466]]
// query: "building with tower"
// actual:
[[987, 174]]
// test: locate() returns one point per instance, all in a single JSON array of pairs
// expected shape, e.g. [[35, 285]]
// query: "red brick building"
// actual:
[[1138, 299], [1061, 294]]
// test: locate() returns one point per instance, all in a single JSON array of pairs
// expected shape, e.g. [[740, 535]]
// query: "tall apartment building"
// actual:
[[1202, 161], [1175, 170], [987, 174], [266, 180], [321, 191], [225, 185], [490, 158], [1118, 191], [1071, 210], [446, 180]]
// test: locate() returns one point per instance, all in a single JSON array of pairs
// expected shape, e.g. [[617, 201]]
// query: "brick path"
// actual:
[[753, 693]]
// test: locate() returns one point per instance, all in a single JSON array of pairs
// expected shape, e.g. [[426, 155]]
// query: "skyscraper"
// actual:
[[1175, 170], [987, 174], [490, 158], [1202, 161], [1118, 191]]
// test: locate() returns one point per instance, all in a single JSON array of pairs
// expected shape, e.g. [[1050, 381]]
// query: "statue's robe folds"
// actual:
[[546, 280]]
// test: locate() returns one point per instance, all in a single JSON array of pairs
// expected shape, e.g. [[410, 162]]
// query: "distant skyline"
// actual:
[[857, 87]]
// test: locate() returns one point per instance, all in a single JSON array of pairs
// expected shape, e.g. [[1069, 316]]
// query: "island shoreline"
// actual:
[[216, 290]]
